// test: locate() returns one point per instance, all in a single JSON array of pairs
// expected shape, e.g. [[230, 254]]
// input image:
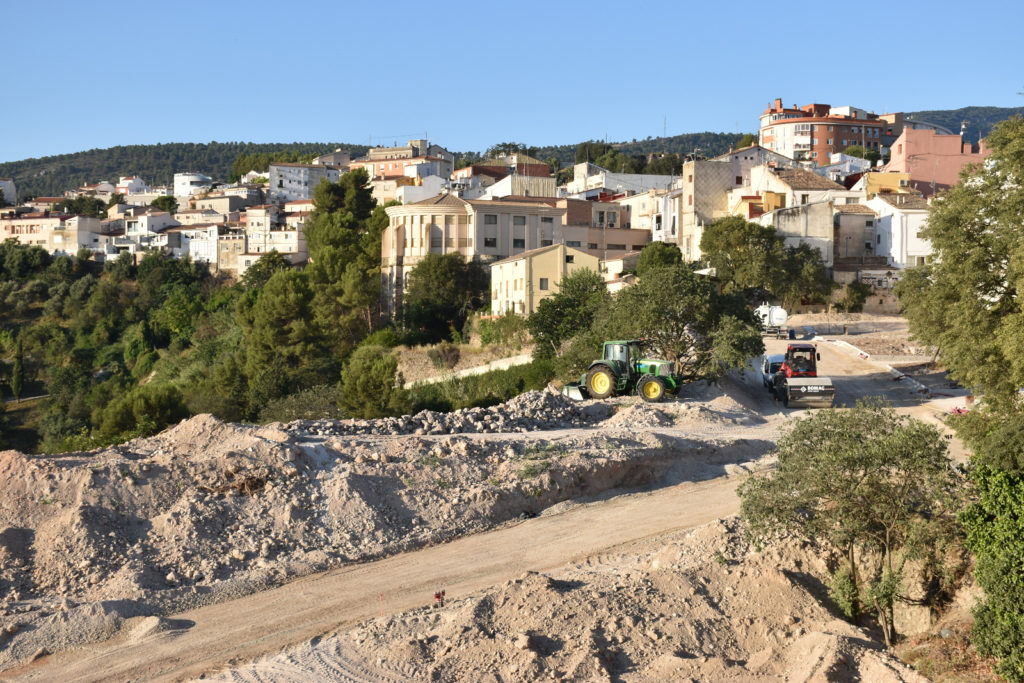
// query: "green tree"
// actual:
[[658, 255], [753, 259], [746, 256], [440, 294], [747, 140], [166, 203], [282, 325], [371, 385], [684, 320], [965, 301], [83, 205], [567, 313], [115, 199], [974, 279], [259, 273], [872, 485]]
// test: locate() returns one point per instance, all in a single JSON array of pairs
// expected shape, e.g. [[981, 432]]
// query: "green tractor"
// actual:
[[621, 370]]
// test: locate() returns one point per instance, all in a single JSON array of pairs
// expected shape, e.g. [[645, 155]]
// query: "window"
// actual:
[[830, 141], [518, 220], [545, 243], [689, 178], [830, 129], [617, 247], [689, 199], [490, 242], [804, 198], [878, 239], [869, 223], [739, 180], [572, 243], [490, 219], [569, 258], [547, 219], [543, 286], [814, 141], [518, 243], [814, 155], [591, 245]]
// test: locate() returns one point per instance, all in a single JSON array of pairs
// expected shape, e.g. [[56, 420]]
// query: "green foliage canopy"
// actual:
[[864, 481]]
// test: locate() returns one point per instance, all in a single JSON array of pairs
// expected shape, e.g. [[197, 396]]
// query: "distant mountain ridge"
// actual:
[[156, 164]]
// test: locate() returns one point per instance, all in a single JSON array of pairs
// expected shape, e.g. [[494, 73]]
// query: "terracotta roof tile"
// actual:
[[800, 179]]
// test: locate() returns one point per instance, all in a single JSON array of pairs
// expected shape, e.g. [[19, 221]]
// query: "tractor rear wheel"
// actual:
[[651, 389], [600, 382]]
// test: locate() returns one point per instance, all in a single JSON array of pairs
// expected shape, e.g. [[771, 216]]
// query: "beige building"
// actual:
[[486, 230], [519, 283], [56, 233]]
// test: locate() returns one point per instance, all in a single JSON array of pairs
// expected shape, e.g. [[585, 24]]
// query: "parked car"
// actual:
[[770, 364]]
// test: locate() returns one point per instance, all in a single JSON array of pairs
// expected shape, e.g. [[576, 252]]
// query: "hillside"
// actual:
[[50, 176], [156, 164], [980, 120]]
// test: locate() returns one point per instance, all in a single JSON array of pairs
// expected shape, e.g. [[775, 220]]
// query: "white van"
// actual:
[[770, 364]]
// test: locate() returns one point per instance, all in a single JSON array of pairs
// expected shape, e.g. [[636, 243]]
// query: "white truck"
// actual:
[[772, 320]]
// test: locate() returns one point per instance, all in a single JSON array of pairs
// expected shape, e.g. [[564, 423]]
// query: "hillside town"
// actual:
[[864, 214]]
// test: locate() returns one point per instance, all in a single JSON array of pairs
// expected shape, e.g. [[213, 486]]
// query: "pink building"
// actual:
[[933, 160]]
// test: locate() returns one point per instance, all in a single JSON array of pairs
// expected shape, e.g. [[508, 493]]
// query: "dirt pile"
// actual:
[[691, 606], [207, 510]]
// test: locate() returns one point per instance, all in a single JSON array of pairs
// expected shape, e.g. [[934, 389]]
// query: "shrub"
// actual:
[[444, 356], [508, 330], [855, 296]]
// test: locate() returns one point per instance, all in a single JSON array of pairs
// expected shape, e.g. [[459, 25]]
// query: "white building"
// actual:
[[188, 184], [901, 220], [589, 181], [431, 186], [10, 192], [289, 182], [129, 185]]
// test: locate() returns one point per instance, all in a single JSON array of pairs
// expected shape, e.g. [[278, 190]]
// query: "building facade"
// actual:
[[289, 182], [519, 283], [815, 132]]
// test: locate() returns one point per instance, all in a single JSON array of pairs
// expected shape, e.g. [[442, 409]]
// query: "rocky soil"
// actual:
[[207, 511]]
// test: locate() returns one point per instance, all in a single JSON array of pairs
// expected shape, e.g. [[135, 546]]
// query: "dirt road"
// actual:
[[215, 636], [204, 640]]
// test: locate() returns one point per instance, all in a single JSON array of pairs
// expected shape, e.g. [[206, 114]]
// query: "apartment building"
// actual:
[[289, 182], [57, 233], [815, 132], [933, 160], [487, 230], [519, 283]]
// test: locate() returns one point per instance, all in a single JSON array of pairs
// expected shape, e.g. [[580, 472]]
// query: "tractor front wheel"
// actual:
[[600, 382], [651, 389]]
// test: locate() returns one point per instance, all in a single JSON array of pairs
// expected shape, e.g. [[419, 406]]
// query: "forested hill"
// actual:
[[156, 164], [980, 120], [705, 144]]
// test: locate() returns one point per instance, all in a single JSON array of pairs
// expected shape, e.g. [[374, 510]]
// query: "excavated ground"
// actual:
[[689, 606], [207, 511]]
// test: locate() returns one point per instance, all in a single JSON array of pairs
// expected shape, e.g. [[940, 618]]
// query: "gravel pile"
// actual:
[[525, 413]]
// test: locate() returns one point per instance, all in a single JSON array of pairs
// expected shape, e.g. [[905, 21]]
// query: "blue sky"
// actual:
[[81, 75]]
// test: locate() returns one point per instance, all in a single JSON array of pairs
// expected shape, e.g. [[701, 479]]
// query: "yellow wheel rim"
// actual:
[[652, 390], [600, 383]]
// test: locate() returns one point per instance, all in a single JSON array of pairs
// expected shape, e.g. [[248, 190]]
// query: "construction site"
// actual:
[[542, 538]]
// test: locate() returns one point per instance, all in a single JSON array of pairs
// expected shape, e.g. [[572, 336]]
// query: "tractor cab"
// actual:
[[801, 361], [622, 356]]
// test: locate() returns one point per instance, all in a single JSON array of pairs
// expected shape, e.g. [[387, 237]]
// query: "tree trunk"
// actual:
[[883, 619]]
